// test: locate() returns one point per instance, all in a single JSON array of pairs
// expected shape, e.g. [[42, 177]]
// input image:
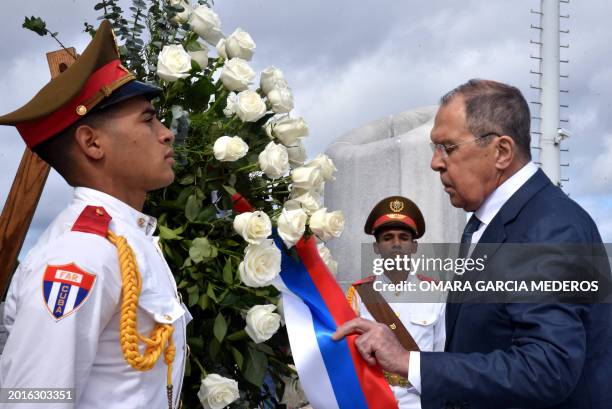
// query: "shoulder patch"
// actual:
[[365, 280], [93, 219], [66, 288]]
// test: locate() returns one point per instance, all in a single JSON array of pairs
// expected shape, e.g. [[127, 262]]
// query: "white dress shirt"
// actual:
[[485, 213], [81, 350]]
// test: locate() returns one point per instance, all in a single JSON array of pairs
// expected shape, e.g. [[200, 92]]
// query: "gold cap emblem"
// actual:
[[396, 206], [81, 110]]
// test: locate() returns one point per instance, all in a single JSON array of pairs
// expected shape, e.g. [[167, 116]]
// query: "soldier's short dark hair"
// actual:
[[59, 150]]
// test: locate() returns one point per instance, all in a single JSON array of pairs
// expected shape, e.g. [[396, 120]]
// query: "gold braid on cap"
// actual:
[[160, 340]]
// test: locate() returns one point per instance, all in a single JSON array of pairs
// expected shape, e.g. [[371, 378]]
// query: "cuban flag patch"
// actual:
[[66, 288]]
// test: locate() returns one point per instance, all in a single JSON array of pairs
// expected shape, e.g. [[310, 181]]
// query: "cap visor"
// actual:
[[130, 90]]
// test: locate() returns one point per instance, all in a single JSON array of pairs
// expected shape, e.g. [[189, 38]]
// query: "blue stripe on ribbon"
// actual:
[[336, 354]]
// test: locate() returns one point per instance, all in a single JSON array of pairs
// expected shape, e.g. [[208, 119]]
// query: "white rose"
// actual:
[[326, 166], [230, 105], [261, 264], [230, 149], [262, 322], [287, 130], [254, 227], [306, 177], [237, 75], [272, 78], [291, 226], [221, 49], [326, 225], [200, 56], [239, 44], [173, 63], [250, 107], [297, 154], [182, 16], [309, 201], [217, 392], [274, 160], [281, 100], [206, 23], [327, 258]]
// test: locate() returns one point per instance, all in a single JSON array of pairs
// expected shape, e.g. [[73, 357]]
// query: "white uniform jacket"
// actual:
[[62, 313], [425, 323]]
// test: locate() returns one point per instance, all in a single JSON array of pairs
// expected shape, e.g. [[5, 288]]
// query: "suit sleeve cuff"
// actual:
[[414, 371]]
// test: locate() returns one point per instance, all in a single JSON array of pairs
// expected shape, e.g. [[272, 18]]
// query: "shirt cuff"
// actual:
[[414, 371]]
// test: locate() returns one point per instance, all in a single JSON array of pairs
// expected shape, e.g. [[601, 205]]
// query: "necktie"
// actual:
[[466, 238]]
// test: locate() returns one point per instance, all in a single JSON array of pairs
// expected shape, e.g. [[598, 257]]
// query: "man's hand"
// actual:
[[376, 343]]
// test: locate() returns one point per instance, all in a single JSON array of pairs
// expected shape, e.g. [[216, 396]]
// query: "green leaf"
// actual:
[[255, 367], [202, 250], [238, 335], [204, 301], [186, 180], [211, 292], [193, 298], [220, 327], [192, 208], [237, 357], [207, 214], [36, 24], [168, 234], [193, 45], [213, 348], [229, 190], [198, 94], [228, 275]]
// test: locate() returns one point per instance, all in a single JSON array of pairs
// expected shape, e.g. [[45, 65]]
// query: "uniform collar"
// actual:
[[491, 206], [117, 209]]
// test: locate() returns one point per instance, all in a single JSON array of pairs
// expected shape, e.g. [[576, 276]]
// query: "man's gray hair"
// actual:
[[492, 106]]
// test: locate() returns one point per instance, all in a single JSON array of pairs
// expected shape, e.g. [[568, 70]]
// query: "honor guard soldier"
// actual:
[[396, 223], [94, 306]]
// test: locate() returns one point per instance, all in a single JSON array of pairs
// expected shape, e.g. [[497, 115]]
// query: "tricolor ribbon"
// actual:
[[332, 373]]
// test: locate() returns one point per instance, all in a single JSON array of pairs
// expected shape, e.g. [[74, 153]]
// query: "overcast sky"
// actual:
[[351, 62]]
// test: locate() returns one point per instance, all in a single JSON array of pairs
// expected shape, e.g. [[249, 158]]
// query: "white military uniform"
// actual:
[[425, 323], [74, 343]]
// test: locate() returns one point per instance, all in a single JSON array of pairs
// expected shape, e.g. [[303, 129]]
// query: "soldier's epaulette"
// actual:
[[364, 280], [93, 219]]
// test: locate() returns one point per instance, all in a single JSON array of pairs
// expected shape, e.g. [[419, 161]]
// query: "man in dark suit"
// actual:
[[503, 355]]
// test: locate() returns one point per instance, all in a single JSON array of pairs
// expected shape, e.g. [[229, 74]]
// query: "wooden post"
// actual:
[[26, 190]]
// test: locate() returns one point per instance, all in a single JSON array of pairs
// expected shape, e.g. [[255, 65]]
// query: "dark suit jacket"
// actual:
[[519, 355]]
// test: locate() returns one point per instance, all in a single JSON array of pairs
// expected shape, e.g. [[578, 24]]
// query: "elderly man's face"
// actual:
[[468, 172]]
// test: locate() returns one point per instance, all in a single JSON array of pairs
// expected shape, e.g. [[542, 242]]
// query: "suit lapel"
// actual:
[[495, 234]]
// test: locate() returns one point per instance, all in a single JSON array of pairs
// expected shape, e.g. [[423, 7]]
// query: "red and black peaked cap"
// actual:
[[396, 211], [97, 79]]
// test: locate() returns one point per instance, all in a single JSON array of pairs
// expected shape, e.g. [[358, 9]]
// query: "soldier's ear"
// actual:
[[415, 246], [89, 141], [375, 247]]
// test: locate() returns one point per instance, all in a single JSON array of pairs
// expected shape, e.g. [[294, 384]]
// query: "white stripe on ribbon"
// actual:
[[305, 350]]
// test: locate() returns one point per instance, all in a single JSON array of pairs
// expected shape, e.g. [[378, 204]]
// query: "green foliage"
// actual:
[[195, 212], [36, 24]]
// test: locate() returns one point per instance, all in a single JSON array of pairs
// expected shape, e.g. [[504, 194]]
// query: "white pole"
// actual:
[[549, 67]]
